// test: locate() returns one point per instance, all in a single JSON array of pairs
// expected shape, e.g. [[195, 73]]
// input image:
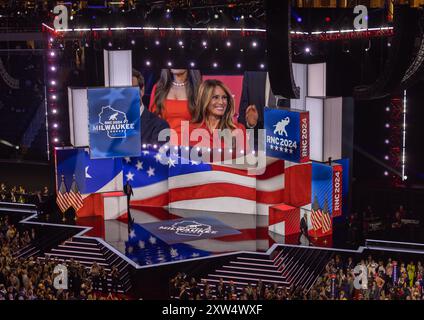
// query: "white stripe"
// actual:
[[272, 184], [223, 204], [201, 178], [262, 209], [149, 191]]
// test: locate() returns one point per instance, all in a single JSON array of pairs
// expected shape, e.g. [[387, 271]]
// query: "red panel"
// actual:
[[298, 185]]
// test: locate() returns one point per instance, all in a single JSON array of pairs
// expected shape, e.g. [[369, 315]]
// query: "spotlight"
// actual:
[[387, 125], [386, 141], [147, 63], [204, 43], [53, 83], [386, 173], [242, 17], [180, 43], [169, 64], [133, 42], [144, 146], [327, 19], [261, 66], [109, 44], [52, 54], [386, 157], [387, 109], [51, 39], [254, 44], [56, 140], [155, 146], [215, 65], [54, 111], [157, 42], [55, 125], [299, 19], [307, 50], [228, 44], [54, 97], [192, 64], [238, 65], [53, 68], [216, 16]]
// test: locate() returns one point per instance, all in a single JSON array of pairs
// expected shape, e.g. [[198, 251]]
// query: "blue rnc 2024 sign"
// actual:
[[287, 134], [114, 122]]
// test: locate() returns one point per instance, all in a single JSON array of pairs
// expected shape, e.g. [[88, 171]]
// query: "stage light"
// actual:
[[55, 125], [261, 66], [157, 42], [387, 125], [389, 44], [254, 44], [54, 111], [51, 39], [386, 157], [53, 83], [180, 43], [71, 18], [204, 43], [299, 19], [386, 173], [155, 146], [168, 10], [109, 44], [327, 19], [242, 17], [54, 97], [215, 65], [147, 63], [169, 64], [192, 64], [53, 68], [133, 42], [238, 65], [386, 141], [241, 50], [228, 44], [144, 146], [307, 50], [216, 16], [52, 54], [387, 109], [56, 140], [219, 150]]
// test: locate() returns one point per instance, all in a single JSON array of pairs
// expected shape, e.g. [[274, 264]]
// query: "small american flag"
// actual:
[[74, 196], [316, 219], [62, 199], [326, 222]]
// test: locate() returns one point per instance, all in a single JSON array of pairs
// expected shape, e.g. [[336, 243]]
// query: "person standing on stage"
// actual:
[[129, 192], [173, 98]]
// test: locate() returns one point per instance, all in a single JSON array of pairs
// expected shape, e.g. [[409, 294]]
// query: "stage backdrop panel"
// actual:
[[114, 122], [91, 175], [78, 116], [117, 67], [325, 127], [287, 134]]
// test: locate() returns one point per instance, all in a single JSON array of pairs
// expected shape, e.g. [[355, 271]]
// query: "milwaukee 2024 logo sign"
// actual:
[[114, 122], [281, 140], [189, 228]]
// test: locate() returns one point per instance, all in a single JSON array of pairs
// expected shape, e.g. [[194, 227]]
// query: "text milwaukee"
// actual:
[[110, 127]]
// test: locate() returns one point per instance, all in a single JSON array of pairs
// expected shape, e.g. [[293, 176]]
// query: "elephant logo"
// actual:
[[280, 127]]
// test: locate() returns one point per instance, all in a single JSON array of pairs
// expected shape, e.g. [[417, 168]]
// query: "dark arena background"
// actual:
[[107, 195]]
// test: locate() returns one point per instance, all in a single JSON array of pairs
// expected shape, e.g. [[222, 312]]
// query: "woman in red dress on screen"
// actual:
[[173, 98], [215, 115]]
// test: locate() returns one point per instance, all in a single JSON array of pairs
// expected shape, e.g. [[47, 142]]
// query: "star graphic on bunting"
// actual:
[[152, 240], [141, 244], [130, 249], [139, 165], [174, 253], [130, 176], [158, 157], [145, 152], [127, 159], [281, 149], [132, 233], [151, 171], [171, 162], [195, 255], [291, 151], [286, 150], [272, 147]]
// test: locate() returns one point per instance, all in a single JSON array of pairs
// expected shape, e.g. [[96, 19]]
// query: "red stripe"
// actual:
[[158, 201], [212, 190], [259, 233], [270, 197], [240, 172], [272, 170]]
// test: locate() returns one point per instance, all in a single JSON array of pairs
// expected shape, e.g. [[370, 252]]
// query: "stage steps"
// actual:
[[86, 251], [288, 266]]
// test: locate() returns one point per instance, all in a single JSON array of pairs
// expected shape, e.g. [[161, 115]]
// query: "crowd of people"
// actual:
[[342, 279], [20, 194], [33, 279]]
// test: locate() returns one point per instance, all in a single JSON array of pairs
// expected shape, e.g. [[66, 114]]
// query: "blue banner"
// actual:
[[322, 187], [114, 122], [287, 134]]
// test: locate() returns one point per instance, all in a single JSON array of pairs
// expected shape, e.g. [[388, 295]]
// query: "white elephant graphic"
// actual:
[[280, 127]]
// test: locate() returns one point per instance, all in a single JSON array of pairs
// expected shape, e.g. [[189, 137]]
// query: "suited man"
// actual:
[[129, 192], [256, 94], [304, 227], [151, 124]]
